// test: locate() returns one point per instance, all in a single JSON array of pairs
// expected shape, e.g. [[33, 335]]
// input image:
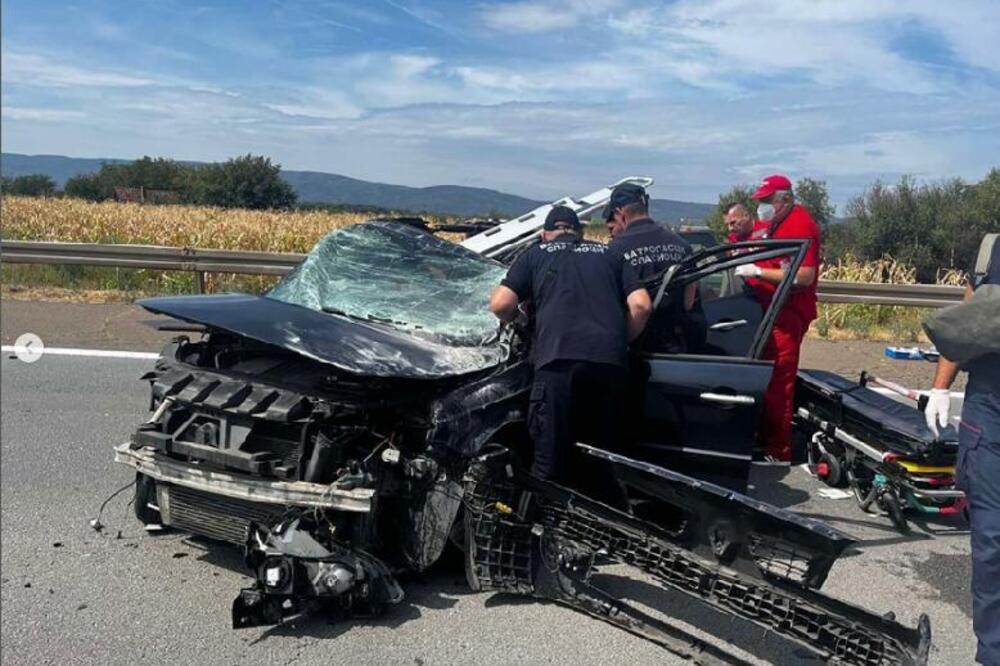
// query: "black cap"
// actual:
[[561, 217], [623, 195]]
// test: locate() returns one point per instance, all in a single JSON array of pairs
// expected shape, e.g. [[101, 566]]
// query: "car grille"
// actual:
[[213, 516]]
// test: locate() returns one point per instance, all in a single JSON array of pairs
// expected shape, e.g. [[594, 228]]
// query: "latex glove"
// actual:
[[749, 270], [938, 407]]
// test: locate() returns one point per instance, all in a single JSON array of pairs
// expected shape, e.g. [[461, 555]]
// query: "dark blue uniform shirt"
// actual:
[[579, 290], [649, 248]]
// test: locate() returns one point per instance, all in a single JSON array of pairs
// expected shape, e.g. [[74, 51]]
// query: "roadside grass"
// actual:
[[72, 220], [892, 323]]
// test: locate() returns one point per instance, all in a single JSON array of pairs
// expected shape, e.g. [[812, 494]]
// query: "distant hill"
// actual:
[[319, 187]]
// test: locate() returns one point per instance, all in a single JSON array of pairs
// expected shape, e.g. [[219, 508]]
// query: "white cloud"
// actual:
[[315, 102], [533, 16], [35, 70], [528, 17], [42, 115]]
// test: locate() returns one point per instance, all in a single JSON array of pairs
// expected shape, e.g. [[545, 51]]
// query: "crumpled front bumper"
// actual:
[[164, 469]]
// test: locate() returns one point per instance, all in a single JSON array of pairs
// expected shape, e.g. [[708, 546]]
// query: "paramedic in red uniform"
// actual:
[[781, 218], [739, 223]]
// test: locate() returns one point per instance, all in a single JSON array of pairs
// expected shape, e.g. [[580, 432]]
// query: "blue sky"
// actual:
[[537, 97]]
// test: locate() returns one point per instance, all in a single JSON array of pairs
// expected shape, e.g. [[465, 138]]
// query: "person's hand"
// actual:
[[749, 270], [937, 409]]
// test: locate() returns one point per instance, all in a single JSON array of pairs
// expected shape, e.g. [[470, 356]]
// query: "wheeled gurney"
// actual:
[[880, 447]]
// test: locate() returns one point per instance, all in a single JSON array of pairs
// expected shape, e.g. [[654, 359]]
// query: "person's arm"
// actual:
[[690, 294], [639, 308], [515, 287], [804, 277], [503, 303], [938, 407], [809, 269]]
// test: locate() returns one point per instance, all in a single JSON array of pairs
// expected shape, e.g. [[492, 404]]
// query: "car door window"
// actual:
[[728, 318]]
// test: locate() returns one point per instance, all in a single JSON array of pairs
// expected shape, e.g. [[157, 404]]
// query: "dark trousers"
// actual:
[[978, 474], [574, 401]]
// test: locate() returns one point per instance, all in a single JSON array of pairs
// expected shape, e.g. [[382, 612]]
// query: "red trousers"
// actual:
[[775, 433]]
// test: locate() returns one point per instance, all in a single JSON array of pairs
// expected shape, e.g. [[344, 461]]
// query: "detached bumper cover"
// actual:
[[243, 487], [527, 536]]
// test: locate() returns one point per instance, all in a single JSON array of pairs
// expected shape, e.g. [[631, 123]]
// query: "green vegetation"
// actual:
[[933, 227], [30, 185], [249, 181]]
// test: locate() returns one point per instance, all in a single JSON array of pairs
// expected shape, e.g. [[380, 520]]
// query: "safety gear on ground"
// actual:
[[749, 270], [765, 212], [937, 410]]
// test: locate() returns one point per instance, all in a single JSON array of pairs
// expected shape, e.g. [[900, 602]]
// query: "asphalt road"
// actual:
[[72, 595]]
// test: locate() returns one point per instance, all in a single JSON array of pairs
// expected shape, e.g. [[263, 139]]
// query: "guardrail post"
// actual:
[[201, 281]]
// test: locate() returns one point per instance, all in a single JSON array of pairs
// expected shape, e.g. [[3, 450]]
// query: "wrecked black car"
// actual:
[[366, 412]]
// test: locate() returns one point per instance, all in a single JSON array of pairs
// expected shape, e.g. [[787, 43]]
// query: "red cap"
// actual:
[[770, 185]]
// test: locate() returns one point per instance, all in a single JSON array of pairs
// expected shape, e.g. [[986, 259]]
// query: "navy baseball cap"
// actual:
[[561, 217], [623, 195]]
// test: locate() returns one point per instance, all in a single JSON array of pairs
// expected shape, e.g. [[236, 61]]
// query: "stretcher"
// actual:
[[878, 446]]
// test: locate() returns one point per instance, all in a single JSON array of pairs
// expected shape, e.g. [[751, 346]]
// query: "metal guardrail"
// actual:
[[201, 261], [915, 295], [204, 261]]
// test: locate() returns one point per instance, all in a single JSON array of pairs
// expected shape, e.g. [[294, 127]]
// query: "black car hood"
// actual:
[[350, 345]]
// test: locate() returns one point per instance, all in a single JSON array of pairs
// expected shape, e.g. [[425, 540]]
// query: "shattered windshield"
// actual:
[[393, 273]]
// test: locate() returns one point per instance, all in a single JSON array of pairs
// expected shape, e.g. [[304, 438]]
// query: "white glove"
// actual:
[[936, 412], [749, 270]]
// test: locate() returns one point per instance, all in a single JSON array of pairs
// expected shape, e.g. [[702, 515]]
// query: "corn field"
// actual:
[[74, 220], [50, 219]]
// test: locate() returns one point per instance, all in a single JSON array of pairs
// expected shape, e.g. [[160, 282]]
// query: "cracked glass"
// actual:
[[395, 274]]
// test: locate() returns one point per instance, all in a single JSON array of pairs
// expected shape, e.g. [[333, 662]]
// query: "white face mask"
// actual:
[[765, 212]]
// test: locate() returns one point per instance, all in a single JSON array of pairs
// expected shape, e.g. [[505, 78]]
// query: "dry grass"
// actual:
[[74, 220], [49, 219], [889, 323]]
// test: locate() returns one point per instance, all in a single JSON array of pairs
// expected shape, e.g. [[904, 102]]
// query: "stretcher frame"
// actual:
[[878, 475]]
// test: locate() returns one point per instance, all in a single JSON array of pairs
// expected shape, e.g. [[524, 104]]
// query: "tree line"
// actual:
[[248, 181], [931, 226]]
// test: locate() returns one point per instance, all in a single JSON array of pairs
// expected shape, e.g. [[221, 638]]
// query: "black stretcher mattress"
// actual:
[[875, 419]]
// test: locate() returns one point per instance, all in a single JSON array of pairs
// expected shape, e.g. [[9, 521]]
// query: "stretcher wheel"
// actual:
[[889, 501], [863, 486], [830, 471]]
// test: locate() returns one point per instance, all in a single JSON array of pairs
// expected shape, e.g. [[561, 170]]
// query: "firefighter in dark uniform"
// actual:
[[651, 248], [588, 305], [978, 472], [676, 326]]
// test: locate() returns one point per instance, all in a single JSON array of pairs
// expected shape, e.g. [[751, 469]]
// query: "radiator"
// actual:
[[212, 516]]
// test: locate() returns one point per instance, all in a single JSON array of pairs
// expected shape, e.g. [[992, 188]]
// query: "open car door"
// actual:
[[702, 404]]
